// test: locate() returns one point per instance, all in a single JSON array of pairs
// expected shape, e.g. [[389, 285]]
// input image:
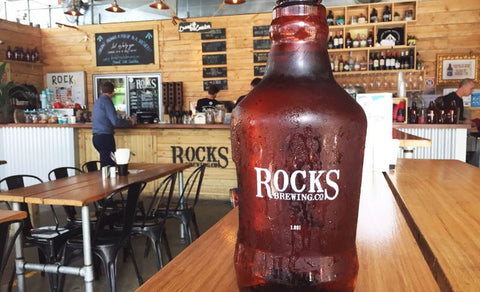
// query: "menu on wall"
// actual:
[[260, 57], [261, 44], [214, 34], [220, 46], [259, 70], [125, 48], [144, 94], [262, 30], [218, 59], [213, 72], [221, 84]]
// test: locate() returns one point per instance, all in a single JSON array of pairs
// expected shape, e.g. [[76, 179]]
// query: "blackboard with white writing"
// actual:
[[219, 59], [213, 72], [221, 84], [262, 30], [259, 70], [263, 44], [214, 34], [220, 46], [125, 48]]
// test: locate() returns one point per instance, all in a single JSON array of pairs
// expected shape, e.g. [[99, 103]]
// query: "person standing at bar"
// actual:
[[105, 119], [254, 83], [209, 101], [465, 88]]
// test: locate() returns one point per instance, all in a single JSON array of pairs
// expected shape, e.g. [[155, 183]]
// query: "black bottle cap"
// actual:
[[290, 2]]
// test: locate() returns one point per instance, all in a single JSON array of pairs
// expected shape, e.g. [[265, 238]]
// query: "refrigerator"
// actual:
[[134, 93]]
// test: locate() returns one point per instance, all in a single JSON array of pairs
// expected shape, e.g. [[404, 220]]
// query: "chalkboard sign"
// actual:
[[214, 47], [214, 34], [261, 57], [221, 84], [262, 30], [259, 70], [144, 94], [214, 72], [261, 44], [218, 59], [124, 48]]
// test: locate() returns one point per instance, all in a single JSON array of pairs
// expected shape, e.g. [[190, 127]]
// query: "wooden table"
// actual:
[[9, 215], [408, 142], [441, 202], [388, 254], [80, 190]]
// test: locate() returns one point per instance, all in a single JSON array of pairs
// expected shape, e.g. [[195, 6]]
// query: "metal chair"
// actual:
[[106, 243], [152, 225], [90, 166], [49, 240], [185, 207], [6, 245]]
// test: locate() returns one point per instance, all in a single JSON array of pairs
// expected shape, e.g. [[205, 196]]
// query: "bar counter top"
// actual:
[[226, 126]]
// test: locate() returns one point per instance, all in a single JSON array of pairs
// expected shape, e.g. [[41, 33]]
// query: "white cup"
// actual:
[[122, 156]]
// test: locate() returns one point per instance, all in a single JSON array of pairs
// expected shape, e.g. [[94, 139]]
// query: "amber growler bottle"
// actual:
[[298, 143]]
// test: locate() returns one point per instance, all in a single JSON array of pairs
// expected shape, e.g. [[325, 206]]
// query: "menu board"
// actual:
[[221, 84], [263, 44], [220, 46], [260, 57], [262, 30], [144, 94], [218, 59], [124, 48], [213, 72], [259, 70], [214, 34]]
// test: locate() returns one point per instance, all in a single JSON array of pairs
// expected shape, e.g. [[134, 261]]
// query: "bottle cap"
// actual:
[[291, 2]]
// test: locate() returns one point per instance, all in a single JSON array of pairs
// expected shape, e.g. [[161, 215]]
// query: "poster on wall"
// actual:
[[6, 73], [68, 88]]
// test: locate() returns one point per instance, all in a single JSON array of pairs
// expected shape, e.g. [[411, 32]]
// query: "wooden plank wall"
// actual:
[[14, 34]]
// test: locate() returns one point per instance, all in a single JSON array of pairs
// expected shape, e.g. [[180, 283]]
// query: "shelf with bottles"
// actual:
[[23, 62], [373, 14]]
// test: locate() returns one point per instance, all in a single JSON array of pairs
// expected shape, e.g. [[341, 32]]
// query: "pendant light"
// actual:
[[234, 2], [159, 4], [74, 11], [115, 8]]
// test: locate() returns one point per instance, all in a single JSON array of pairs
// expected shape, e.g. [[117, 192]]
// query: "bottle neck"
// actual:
[[299, 42]]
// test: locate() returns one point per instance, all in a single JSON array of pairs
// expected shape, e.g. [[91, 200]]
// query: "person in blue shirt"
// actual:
[[104, 118]]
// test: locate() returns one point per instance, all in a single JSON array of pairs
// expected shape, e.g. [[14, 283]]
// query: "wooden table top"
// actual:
[[441, 202], [409, 140], [388, 254], [83, 189], [9, 215]]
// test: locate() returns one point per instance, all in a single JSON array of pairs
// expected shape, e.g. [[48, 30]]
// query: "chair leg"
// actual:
[[109, 260], [167, 246], [195, 225], [139, 277]]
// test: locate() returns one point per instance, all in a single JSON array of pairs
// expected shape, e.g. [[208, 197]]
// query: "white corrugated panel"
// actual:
[[446, 143], [35, 150]]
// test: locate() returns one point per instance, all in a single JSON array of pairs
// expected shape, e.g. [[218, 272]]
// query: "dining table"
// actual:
[[80, 191], [409, 142]]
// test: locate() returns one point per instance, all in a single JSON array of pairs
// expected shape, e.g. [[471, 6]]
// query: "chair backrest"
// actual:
[[161, 198], [62, 172], [16, 182], [91, 166], [133, 193], [192, 187]]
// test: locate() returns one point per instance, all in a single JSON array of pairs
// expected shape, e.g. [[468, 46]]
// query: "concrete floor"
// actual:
[[208, 213]]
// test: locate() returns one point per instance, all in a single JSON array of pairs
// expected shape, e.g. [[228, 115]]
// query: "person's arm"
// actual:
[[111, 114]]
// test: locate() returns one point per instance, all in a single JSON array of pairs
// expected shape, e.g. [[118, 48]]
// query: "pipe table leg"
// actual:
[[87, 250], [19, 258]]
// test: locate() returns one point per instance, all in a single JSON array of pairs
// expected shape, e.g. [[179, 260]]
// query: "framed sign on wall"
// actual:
[[453, 68]]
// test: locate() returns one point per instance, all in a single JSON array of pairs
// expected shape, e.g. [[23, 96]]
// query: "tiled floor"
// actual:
[[208, 212]]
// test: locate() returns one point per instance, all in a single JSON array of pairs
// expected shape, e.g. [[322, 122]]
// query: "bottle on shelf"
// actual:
[[330, 19], [398, 64], [370, 39], [374, 16], [387, 14], [411, 59], [431, 113], [335, 40], [335, 64], [381, 61], [376, 62], [348, 41], [413, 114], [9, 53], [419, 62], [356, 65], [387, 61], [393, 60], [340, 40], [370, 62], [406, 61], [363, 64], [363, 41], [323, 247], [331, 63], [351, 62], [330, 41], [356, 41], [451, 113], [340, 63]]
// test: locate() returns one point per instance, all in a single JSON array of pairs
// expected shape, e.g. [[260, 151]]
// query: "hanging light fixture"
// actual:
[[234, 2], [159, 4], [115, 8], [74, 11]]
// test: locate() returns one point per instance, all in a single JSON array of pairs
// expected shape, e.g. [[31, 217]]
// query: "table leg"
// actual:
[[183, 228], [87, 250], [19, 259]]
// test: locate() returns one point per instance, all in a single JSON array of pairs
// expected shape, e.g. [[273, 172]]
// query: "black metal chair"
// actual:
[[106, 243], [152, 225], [185, 207], [90, 166], [49, 240]]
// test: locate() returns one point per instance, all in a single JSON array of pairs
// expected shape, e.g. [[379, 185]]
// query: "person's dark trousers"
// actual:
[[105, 145]]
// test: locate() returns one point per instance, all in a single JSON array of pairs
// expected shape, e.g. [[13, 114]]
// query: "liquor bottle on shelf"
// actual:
[[330, 19], [419, 62], [374, 16], [398, 64], [340, 40], [431, 113], [9, 53], [387, 14], [370, 39], [381, 61], [351, 62], [340, 63], [411, 59], [363, 64], [331, 63], [335, 40], [330, 41], [314, 154], [370, 62], [413, 114], [363, 41], [376, 62], [335, 64], [387, 61], [406, 61], [393, 60], [452, 113], [356, 65], [27, 56], [348, 41]]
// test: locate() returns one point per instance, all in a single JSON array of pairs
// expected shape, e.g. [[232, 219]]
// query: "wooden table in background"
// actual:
[[409, 142], [389, 257], [440, 200], [79, 191]]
